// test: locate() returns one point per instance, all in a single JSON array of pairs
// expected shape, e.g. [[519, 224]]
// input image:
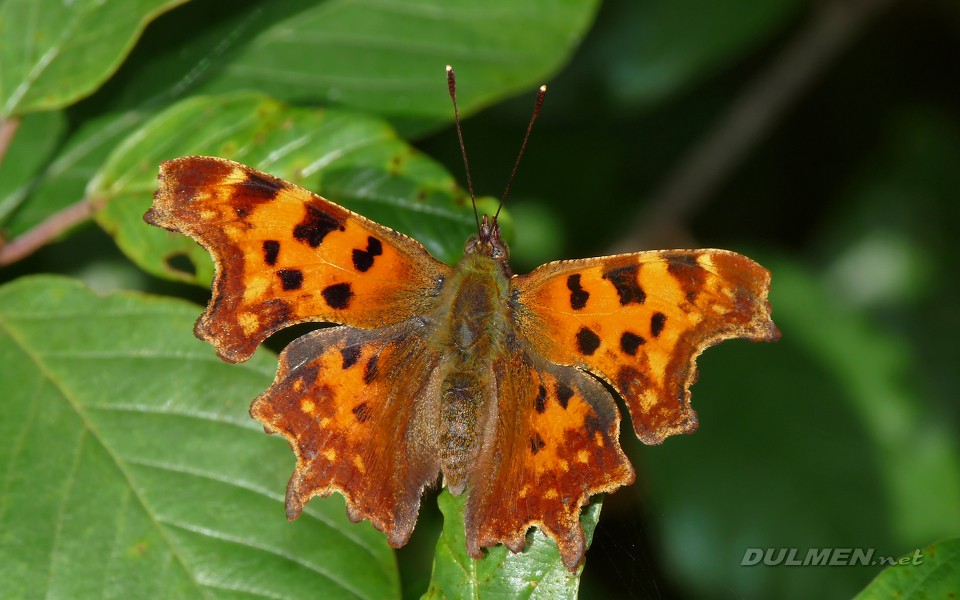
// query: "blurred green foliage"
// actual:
[[115, 421]]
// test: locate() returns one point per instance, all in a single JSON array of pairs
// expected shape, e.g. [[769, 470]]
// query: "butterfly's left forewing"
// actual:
[[639, 321], [285, 255]]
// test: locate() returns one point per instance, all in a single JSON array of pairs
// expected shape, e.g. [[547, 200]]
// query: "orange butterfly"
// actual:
[[490, 379]]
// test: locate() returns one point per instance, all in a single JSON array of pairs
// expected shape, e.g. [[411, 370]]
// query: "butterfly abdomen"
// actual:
[[473, 333]]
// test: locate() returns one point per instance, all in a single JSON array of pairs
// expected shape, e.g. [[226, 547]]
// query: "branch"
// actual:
[[748, 120], [8, 127], [42, 234]]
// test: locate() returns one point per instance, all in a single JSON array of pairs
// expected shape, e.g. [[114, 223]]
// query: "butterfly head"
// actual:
[[487, 242]]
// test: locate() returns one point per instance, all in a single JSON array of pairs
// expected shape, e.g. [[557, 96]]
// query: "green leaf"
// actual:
[[52, 52], [534, 573], [131, 469], [389, 57], [34, 143], [933, 572], [353, 159]]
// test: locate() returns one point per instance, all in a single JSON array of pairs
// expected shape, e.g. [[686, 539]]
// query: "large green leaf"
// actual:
[[130, 468], [351, 158], [389, 57], [53, 52], [933, 572], [534, 573]]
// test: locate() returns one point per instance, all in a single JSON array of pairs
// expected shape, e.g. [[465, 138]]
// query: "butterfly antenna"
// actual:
[[536, 111], [452, 85]]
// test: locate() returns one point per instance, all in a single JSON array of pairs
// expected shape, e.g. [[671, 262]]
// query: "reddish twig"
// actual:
[[8, 128], [34, 239], [748, 120]]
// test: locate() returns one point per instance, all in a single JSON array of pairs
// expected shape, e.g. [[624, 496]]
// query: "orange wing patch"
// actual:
[[640, 321], [355, 407], [556, 444], [285, 255]]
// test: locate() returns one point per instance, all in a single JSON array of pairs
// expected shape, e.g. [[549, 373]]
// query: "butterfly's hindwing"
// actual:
[[556, 444], [357, 407]]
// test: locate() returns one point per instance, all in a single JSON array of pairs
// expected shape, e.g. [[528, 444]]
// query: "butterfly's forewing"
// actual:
[[640, 321], [555, 445], [356, 407], [285, 255]]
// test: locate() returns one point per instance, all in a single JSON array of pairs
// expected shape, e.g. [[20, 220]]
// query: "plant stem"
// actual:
[[8, 128], [42, 234]]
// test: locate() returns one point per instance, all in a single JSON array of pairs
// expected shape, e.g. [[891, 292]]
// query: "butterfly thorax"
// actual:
[[473, 332]]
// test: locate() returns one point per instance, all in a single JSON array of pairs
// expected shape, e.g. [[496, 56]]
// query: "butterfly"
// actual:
[[493, 380]]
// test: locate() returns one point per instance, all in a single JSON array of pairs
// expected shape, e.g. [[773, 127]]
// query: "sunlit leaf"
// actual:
[[132, 469], [933, 572]]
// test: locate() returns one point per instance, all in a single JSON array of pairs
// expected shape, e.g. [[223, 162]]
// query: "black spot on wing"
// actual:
[[271, 251], [266, 188], [290, 279], [363, 259], [657, 322], [624, 280], [536, 443], [587, 341], [350, 356], [541, 399], [564, 393], [315, 226], [686, 269], [370, 370], [362, 412], [337, 295], [256, 189], [631, 342], [578, 295]]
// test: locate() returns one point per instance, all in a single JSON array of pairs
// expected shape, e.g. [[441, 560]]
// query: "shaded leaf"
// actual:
[[131, 468], [53, 52], [933, 572], [351, 158], [534, 573]]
